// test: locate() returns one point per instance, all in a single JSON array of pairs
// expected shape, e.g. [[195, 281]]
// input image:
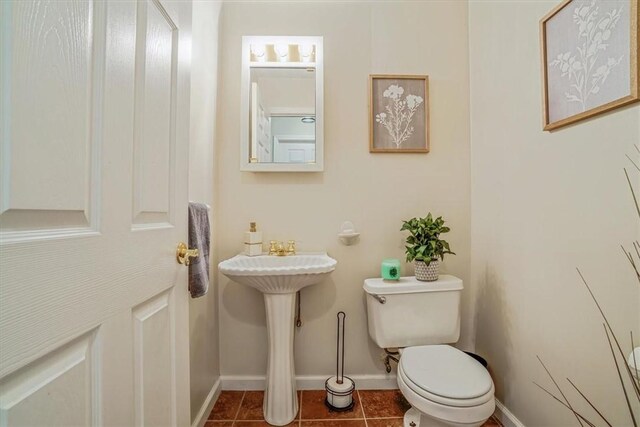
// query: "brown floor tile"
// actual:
[[383, 403], [226, 406], [333, 423], [383, 408], [492, 422], [313, 408], [251, 408], [399, 422], [385, 422], [260, 424]]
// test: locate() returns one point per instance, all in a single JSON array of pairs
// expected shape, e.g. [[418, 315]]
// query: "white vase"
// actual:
[[427, 273]]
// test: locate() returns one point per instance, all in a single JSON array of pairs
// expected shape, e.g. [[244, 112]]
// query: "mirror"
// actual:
[[283, 115], [282, 104]]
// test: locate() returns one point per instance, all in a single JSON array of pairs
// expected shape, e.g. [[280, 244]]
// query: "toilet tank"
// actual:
[[408, 312]]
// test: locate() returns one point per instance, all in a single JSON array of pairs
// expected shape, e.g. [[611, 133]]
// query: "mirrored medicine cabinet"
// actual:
[[282, 104]]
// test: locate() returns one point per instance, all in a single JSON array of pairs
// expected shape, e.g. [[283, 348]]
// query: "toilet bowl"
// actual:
[[445, 387]]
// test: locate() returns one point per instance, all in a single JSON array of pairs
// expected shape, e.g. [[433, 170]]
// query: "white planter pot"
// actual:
[[427, 273]]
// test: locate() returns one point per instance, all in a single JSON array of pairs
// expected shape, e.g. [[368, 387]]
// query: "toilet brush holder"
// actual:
[[339, 395], [339, 387]]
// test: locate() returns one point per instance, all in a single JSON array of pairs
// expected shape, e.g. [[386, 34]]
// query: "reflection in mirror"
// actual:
[[281, 101], [283, 115]]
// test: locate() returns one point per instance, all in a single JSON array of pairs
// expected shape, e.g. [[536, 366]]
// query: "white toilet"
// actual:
[[444, 386]]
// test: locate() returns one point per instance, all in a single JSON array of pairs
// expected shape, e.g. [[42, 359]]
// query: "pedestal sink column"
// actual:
[[280, 398]]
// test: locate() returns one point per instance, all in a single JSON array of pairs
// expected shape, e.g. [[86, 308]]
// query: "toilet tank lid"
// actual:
[[410, 285]]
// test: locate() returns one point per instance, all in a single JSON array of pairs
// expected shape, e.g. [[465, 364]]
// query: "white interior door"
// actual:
[[261, 149], [294, 148], [93, 201]]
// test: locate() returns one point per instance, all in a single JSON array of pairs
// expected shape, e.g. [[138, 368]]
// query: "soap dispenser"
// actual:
[[253, 241]]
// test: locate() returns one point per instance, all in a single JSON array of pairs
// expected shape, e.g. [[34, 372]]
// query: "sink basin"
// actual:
[[278, 275], [279, 278]]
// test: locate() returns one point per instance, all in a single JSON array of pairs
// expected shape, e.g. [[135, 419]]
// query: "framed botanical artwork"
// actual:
[[589, 59], [398, 114]]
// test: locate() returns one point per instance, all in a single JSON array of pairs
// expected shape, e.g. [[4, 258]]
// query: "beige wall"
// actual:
[[374, 191], [542, 205], [203, 316]]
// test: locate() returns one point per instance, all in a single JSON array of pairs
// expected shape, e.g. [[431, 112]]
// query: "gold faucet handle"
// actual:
[[280, 250], [291, 250]]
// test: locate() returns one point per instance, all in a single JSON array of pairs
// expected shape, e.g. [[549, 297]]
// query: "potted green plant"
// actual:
[[425, 247]]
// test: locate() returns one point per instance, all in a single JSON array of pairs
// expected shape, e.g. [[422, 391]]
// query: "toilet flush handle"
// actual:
[[381, 298]]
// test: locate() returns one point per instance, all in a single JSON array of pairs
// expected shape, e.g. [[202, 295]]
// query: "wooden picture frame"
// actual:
[[398, 113], [569, 101]]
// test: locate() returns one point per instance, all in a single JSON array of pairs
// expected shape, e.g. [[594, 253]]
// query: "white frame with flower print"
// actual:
[[372, 114], [634, 83]]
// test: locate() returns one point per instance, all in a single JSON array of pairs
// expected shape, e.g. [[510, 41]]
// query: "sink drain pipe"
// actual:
[[298, 317]]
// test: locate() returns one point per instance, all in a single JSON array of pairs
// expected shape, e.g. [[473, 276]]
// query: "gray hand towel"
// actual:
[[199, 238]]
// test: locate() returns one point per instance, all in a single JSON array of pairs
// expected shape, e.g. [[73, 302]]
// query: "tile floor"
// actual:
[[373, 408]]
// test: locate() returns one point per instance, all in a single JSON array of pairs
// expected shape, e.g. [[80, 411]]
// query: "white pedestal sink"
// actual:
[[279, 278]]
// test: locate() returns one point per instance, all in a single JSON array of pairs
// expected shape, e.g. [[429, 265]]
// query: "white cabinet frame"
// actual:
[[245, 106]]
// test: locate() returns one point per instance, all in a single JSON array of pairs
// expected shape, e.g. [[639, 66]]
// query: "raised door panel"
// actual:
[[264, 136], [51, 84], [154, 139], [59, 389], [153, 361]]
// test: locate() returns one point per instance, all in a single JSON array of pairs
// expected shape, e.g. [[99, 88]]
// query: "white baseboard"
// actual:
[[207, 405], [505, 416], [309, 382], [243, 382]]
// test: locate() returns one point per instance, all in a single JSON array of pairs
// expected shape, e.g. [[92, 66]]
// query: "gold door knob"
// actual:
[[184, 254]]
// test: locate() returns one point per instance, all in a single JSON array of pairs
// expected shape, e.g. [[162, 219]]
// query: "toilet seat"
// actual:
[[470, 416], [439, 370], [445, 375]]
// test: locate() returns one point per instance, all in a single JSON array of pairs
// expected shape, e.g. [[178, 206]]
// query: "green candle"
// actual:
[[390, 269]]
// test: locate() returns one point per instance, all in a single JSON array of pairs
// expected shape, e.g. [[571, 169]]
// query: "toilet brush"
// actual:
[[339, 387]]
